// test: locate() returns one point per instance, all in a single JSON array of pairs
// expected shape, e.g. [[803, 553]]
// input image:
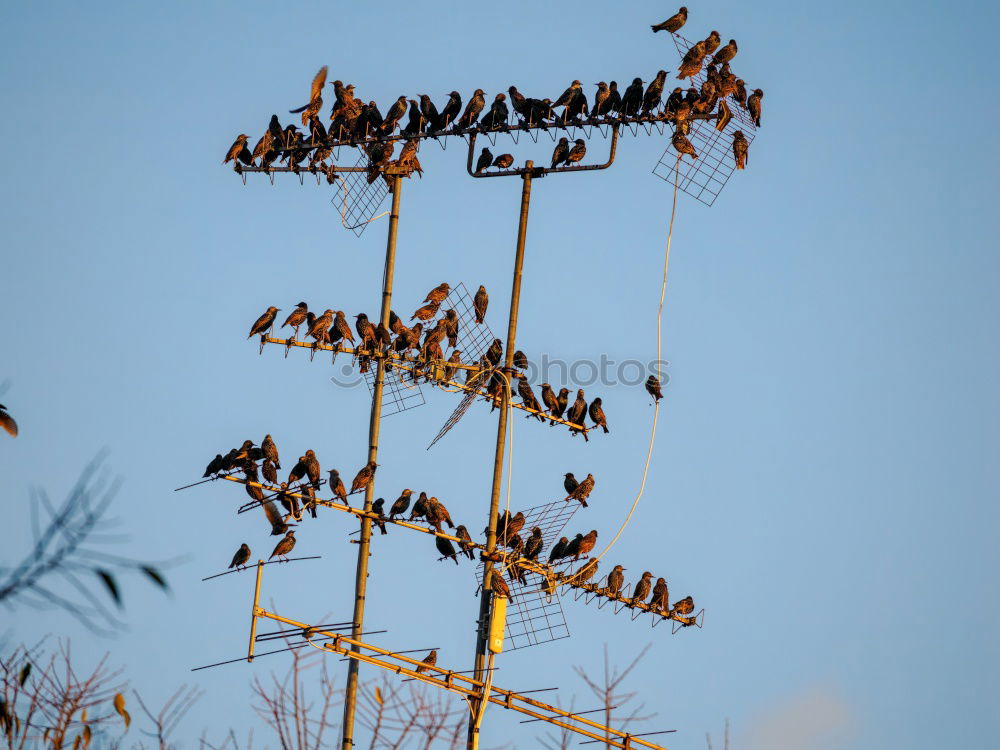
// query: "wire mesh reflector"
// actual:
[[399, 392], [534, 617], [703, 178], [357, 200]]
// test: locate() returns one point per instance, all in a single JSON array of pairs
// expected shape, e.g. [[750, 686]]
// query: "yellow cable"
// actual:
[[656, 408]]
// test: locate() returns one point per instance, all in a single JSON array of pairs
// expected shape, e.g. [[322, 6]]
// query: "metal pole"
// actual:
[[253, 611], [485, 596], [364, 543]]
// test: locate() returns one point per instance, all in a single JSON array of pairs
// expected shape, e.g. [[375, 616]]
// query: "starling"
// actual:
[[597, 414], [270, 471], [393, 116], [382, 336], [342, 329], [520, 360], [528, 397], [616, 579], [683, 145], [465, 541], [320, 328], [562, 400], [265, 150], [296, 317], [559, 550], [480, 302], [284, 546], [641, 589], [451, 369], [408, 160], [578, 411], [601, 99], [582, 490], [573, 548], [533, 547], [241, 557], [654, 92], [503, 161], [436, 513], [675, 98], [426, 312], [419, 507], [711, 43], [740, 93], [495, 352], [270, 451], [569, 95], [653, 387], [499, 585], [239, 151], [683, 607], [264, 322], [501, 526], [277, 523], [549, 399], [366, 331], [428, 661], [725, 54], [377, 507], [249, 469], [312, 468], [660, 598], [485, 160], [472, 110], [214, 466], [632, 99], [585, 573], [691, 63], [230, 460], [449, 112], [578, 151], [446, 548], [337, 486], [298, 471], [560, 152], [438, 293], [740, 149], [402, 503], [570, 484], [364, 477], [673, 23], [614, 103], [514, 525], [753, 105], [586, 543], [515, 544], [428, 111], [415, 123], [451, 327], [315, 97], [309, 503], [497, 115]]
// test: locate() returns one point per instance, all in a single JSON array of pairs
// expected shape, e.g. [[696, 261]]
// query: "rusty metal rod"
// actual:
[[253, 611], [542, 171], [364, 544]]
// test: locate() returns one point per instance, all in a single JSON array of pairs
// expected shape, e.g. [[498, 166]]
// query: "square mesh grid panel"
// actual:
[[533, 617], [473, 339], [357, 201], [703, 178], [399, 392]]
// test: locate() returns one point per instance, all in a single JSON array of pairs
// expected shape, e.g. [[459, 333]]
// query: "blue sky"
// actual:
[[821, 481]]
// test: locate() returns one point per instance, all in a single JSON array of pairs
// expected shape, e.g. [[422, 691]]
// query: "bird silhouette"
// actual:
[[578, 411], [584, 574], [711, 42], [653, 387], [570, 484], [472, 110], [582, 490], [239, 151], [285, 546], [214, 466], [241, 557], [270, 471], [465, 541], [485, 160], [550, 400], [446, 548], [601, 98], [632, 99], [401, 505], [683, 145], [559, 550], [450, 111], [725, 54], [378, 508], [497, 115], [586, 543], [614, 103], [533, 545], [315, 97], [658, 603], [576, 153], [560, 152], [753, 105], [654, 92], [429, 112], [673, 23], [336, 485]]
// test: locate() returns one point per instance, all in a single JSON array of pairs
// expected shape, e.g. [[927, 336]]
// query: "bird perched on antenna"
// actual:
[[725, 54], [503, 161], [241, 557], [296, 318], [641, 590], [479, 304], [239, 151], [264, 322], [485, 160], [364, 477], [285, 546], [682, 145], [559, 550], [653, 387], [674, 23], [740, 149], [654, 92], [660, 601], [499, 586], [315, 98], [560, 152], [446, 548], [472, 110], [581, 491], [597, 415], [576, 153], [428, 661], [497, 115], [616, 579], [753, 105], [465, 541]]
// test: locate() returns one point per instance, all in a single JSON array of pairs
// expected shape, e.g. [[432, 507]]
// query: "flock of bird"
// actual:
[[355, 122], [332, 328]]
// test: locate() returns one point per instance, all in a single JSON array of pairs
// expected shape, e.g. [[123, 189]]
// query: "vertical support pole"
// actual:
[[364, 543], [485, 596], [253, 611]]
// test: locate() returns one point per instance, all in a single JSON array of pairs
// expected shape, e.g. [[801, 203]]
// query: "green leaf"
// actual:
[[109, 581], [25, 671], [156, 576]]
